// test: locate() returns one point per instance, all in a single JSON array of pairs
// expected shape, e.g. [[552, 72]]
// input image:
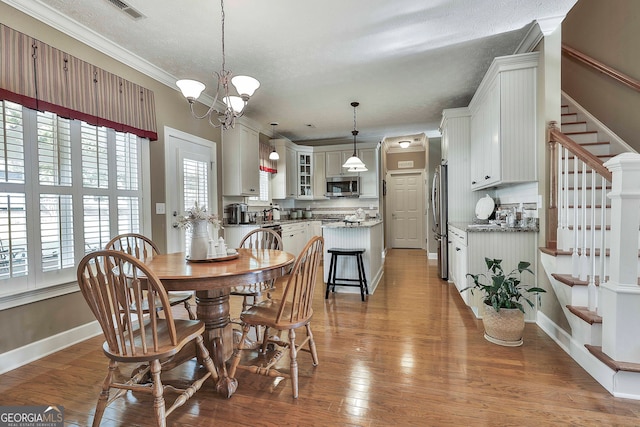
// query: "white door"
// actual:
[[405, 204], [190, 164]]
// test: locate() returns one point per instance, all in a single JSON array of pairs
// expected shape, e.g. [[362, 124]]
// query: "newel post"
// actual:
[[620, 295]]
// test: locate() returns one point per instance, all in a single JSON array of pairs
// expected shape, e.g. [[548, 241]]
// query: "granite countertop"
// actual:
[[364, 224], [484, 228], [272, 223]]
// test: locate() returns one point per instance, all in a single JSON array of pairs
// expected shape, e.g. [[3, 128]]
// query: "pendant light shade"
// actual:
[[274, 154], [353, 163]]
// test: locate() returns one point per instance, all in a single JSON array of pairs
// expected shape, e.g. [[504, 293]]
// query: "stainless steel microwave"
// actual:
[[347, 186]]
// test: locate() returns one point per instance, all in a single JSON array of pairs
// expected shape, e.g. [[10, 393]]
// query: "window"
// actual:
[[264, 188], [61, 197]]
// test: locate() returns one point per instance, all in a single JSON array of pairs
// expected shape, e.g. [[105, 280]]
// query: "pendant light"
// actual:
[[274, 154], [353, 163]]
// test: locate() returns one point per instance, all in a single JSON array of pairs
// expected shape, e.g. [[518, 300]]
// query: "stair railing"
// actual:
[[569, 193]]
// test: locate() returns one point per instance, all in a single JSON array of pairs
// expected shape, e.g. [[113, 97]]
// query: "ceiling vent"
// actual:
[[130, 11]]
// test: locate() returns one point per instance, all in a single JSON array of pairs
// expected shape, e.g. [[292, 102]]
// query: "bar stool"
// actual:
[[361, 281]]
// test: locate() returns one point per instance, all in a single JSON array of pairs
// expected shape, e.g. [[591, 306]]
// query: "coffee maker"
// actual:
[[237, 213]]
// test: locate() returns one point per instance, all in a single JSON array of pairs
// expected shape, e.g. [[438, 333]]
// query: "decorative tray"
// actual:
[[215, 259]]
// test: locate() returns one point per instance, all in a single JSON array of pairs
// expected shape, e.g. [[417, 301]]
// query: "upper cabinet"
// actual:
[[503, 123], [369, 179], [240, 162], [319, 175], [305, 175], [284, 182], [334, 162]]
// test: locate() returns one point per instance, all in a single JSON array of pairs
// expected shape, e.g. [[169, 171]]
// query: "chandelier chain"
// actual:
[[223, 54]]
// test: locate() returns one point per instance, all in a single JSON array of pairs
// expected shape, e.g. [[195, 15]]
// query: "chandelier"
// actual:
[[234, 104], [353, 163], [274, 154]]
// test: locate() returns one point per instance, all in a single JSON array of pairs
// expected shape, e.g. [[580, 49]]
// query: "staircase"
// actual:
[[604, 320]]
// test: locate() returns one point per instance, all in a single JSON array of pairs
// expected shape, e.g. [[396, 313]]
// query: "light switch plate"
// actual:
[[160, 209]]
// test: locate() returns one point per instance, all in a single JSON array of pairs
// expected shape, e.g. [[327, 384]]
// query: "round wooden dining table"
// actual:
[[212, 280]]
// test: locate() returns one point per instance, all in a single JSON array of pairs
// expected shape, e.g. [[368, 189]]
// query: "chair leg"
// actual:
[[293, 367], [157, 392], [237, 354], [103, 400], [187, 306], [312, 345], [206, 357]]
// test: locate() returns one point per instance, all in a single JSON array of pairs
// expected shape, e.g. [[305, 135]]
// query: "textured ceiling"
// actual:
[[403, 60]]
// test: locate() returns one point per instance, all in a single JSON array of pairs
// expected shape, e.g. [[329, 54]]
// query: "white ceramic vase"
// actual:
[[199, 240]]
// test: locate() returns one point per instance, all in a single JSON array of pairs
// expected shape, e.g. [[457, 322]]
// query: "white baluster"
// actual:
[[575, 257], [591, 287], [584, 261], [562, 225], [567, 231]]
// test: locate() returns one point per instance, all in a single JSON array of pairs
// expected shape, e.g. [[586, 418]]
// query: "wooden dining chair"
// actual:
[[260, 238], [142, 248], [112, 282], [292, 311]]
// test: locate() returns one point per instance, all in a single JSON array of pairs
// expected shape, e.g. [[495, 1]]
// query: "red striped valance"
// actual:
[[266, 164], [41, 77]]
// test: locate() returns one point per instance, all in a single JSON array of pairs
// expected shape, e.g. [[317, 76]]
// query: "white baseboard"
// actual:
[[21, 356], [433, 255]]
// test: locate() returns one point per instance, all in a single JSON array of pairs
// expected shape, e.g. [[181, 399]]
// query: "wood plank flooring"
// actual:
[[412, 355]]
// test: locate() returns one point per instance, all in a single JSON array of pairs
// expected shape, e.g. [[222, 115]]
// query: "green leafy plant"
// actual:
[[503, 290]]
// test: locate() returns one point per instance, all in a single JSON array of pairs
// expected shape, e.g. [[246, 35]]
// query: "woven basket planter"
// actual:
[[504, 327]]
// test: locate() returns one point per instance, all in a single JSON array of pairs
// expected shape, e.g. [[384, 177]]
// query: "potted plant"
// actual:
[[503, 298]]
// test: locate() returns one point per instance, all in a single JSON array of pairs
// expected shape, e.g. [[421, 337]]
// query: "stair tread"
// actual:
[[613, 364], [579, 132], [585, 314], [569, 280]]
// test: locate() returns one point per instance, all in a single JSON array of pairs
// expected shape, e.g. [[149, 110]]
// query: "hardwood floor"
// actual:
[[413, 354]]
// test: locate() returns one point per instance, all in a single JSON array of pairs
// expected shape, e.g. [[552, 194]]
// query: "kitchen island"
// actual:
[[367, 235]]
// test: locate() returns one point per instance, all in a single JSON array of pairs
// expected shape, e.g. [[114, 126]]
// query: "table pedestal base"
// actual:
[[213, 310]]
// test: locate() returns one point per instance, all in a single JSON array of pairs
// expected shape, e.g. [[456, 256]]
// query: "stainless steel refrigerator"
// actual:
[[439, 205]]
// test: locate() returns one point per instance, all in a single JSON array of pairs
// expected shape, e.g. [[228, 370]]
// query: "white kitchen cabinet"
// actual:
[[294, 237], [319, 176], [503, 123], [334, 162], [240, 162], [315, 228], [284, 182], [456, 145], [305, 175], [292, 174], [369, 179], [458, 260]]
